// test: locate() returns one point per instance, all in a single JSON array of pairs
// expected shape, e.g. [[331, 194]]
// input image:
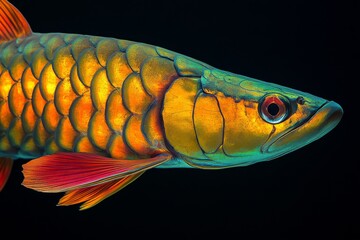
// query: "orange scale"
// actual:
[[28, 147], [16, 132], [115, 112], [152, 127], [64, 96], [48, 82], [50, 117], [52, 45], [38, 63], [135, 138], [5, 115], [38, 101], [104, 49], [28, 83], [40, 134], [6, 83], [17, 67], [137, 53], [88, 65], [65, 134], [63, 62], [124, 44], [80, 112], [28, 118], [157, 74], [79, 44], [100, 89], [78, 87], [16, 99], [118, 149], [135, 98], [5, 145], [118, 69], [51, 146], [99, 133], [83, 144]]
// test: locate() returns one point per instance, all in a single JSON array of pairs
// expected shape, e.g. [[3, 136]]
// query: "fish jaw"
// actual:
[[320, 123]]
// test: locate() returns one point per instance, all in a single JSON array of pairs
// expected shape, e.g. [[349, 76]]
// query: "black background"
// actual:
[[307, 194]]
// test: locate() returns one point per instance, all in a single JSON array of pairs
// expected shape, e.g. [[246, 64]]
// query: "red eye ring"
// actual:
[[274, 109]]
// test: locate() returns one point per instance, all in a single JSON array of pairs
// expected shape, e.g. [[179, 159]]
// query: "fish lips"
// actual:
[[320, 123]]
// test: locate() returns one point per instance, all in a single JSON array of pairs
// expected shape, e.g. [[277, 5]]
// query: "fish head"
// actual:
[[262, 121]]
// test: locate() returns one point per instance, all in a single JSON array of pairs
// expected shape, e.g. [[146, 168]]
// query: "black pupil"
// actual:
[[273, 109]]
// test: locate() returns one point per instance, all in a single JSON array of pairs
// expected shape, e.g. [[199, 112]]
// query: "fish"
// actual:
[[90, 114]]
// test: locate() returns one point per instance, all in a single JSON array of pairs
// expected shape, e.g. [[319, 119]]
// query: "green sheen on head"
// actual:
[[260, 121]]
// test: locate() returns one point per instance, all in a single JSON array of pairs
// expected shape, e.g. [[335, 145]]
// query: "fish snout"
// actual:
[[320, 123], [333, 112]]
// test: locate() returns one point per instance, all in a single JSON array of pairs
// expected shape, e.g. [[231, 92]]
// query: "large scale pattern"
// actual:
[[66, 92]]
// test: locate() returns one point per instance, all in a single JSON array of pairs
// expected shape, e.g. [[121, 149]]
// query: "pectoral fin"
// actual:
[[86, 177]]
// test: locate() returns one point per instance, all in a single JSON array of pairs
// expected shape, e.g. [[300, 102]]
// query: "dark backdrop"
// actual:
[[307, 194]]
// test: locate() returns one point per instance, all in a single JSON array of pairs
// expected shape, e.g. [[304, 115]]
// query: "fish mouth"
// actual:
[[320, 123]]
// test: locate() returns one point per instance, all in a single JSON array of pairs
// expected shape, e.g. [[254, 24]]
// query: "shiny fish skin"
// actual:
[[67, 92]]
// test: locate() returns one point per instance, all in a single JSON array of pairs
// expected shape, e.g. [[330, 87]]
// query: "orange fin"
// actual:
[[5, 169], [12, 23], [66, 171], [91, 196]]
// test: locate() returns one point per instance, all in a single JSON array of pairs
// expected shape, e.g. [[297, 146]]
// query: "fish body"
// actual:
[[68, 92], [91, 114]]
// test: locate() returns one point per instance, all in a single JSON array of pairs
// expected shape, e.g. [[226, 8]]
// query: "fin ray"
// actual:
[[91, 196], [12, 23]]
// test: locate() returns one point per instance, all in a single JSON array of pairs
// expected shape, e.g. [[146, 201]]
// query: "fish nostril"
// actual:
[[300, 100]]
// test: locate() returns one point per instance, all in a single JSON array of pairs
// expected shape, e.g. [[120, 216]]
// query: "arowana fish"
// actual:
[[91, 114]]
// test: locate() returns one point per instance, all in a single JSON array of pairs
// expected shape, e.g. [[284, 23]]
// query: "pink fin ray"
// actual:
[[93, 195], [66, 171], [5, 169]]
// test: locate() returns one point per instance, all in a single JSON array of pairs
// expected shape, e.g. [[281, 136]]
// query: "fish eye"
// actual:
[[274, 108]]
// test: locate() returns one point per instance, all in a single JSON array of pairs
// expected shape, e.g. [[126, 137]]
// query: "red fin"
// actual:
[[61, 172], [12, 23], [5, 169], [91, 196]]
